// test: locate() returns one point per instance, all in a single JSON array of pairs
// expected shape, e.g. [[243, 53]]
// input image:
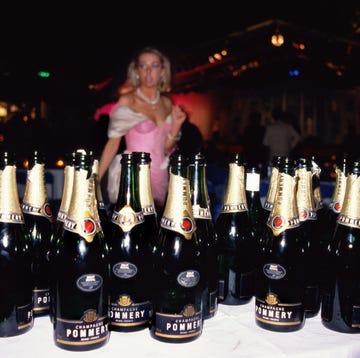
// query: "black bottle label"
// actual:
[[273, 312], [127, 218], [189, 278], [24, 316], [89, 330], [274, 271], [127, 313], [124, 270], [89, 282], [184, 325], [41, 300]]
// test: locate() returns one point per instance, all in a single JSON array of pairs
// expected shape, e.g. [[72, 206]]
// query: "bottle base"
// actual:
[[280, 328], [82, 347], [174, 340]]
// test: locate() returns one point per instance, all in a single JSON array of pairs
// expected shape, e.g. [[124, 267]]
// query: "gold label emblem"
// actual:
[[124, 300], [90, 316], [271, 299]]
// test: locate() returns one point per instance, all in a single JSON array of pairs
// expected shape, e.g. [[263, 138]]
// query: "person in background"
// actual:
[[255, 152], [280, 136], [191, 141], [149, 121]]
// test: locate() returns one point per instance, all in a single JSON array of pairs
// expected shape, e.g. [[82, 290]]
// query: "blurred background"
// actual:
[[61, 67]]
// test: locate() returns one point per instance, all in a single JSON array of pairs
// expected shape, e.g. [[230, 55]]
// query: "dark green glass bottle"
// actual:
[[237, 248], [178, 286], [40, 223], [103, 213], [16, 292], [280, 281], [81, 269], [309, 229], [340, 309], [270, 196], [333, 210], [253, 200], [205, 231], [147, 200], [69, 171], [129, 255]]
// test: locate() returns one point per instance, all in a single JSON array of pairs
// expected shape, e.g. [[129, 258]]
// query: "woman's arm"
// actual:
[[107, 155], [178, 118]]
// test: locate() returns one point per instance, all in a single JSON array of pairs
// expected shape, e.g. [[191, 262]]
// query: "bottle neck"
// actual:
[[129, 186], [270, 196], [145, 192], [83, 216], [350, 212], [178, 214], [10, 210], [35, 200], [69, 172], [235, 196], [284, 214], [200, 199], [304, 196], [337, 198]]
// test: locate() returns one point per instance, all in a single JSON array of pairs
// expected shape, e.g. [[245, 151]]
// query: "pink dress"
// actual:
[[142, 135]]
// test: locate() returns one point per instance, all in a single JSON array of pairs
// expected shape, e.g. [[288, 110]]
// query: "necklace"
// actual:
[[146, 99]]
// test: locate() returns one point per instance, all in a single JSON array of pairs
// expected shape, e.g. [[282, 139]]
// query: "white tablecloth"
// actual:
[[232, 332]]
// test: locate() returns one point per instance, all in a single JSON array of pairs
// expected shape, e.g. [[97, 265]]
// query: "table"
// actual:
[[232, 332]]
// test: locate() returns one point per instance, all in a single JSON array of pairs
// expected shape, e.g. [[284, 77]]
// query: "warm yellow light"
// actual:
[[60, 163], [277, 39]]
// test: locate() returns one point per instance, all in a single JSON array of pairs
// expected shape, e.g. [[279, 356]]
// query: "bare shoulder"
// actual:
[[167, 102], [127, 99]]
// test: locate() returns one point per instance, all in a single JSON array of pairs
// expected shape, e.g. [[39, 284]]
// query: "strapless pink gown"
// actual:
[[142, 134]]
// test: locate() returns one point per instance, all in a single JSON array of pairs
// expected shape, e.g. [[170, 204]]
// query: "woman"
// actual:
[[149, 121]]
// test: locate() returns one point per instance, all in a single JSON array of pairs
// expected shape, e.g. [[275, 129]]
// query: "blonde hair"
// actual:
[[133, 77]]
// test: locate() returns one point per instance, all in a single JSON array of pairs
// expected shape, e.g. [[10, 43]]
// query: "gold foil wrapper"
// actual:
[[35, 200], [284, 214], [270, 197], [235, 195], [338, 196], [304, 196], [69, 172], [146, 197], [10, 209], [83, 216], [350, 212], [201, 213], [178, 215]]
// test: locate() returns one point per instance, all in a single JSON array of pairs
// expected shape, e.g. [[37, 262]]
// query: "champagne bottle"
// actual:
[[178, 285], [81, 269], [205, 231], [103, 214], [309, 225], [237, 249], [253, 200], [280, 277], [270, 196], [147, 200], [39, 221], [334, 208], [16, 293], [340, 310], [129, 255], [69, 171]]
